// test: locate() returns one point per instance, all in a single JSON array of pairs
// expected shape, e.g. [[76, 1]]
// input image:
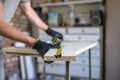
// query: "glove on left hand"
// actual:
[[42, 48]]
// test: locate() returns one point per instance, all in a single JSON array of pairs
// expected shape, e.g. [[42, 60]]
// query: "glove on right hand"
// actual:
[[42, 48], [54, 33]]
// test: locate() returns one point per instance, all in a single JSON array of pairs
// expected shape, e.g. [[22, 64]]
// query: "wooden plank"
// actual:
[[49, 56], [20, 51], [69, 51]]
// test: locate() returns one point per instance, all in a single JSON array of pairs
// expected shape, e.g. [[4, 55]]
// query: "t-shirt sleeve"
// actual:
[[23, 1], [1, 1]]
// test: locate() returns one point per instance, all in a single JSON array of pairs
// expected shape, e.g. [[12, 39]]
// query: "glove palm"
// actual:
[[42, 48]]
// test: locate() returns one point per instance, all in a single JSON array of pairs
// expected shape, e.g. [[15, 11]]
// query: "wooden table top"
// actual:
[[69, 51]]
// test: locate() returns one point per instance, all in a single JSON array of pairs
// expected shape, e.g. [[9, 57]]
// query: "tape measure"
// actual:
[[56, 41], [58, 53]]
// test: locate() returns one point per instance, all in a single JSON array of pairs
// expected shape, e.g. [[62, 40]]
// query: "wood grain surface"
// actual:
[[69, 51]]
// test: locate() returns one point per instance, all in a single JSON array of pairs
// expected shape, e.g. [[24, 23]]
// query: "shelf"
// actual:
[[71, 3]]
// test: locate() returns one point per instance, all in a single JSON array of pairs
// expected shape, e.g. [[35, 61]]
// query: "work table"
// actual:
[[70, 50]]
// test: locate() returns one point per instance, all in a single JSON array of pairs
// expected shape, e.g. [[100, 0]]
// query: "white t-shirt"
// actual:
[[9, 8]]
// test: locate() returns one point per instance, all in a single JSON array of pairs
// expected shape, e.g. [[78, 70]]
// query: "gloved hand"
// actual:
[[53, 33], [42, 48]]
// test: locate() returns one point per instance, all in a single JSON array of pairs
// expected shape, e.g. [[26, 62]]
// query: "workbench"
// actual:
[[69, 53]]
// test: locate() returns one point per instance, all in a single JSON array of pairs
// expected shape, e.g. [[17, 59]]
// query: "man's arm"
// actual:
[[32, 15], [8, 31], [35, 19]]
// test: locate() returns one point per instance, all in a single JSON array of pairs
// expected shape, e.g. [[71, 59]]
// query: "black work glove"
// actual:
[[53, 33], [42, 48]]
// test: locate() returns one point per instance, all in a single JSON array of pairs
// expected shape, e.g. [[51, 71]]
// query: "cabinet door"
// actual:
[[81, 37], [83, 31], [83, 71], [95, 53], [85, 61]]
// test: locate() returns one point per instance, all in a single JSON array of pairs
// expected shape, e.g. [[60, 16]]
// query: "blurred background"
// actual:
[[79, 20]]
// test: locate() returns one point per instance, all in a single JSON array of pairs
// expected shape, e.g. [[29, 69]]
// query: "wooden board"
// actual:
[[20, 51], [69, 51]]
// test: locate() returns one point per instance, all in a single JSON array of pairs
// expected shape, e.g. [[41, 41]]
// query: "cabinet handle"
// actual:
[[83, 31], [79, 37], [83, 53], [83, 69], [83, 61]]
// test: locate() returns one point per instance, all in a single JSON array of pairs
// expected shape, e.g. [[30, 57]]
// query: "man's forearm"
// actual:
[[32, 16], [8, 31], [35, 19]]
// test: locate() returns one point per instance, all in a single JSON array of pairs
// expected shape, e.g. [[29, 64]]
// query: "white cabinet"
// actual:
[[85, 61], [82, 63], [83, 71], [83, 31], [80, 66], [80, 37]]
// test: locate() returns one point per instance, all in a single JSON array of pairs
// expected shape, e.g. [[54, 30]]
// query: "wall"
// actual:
[[113, 40]]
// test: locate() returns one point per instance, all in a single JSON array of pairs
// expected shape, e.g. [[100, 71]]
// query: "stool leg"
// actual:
[[25, 67], [44, 71], [67, 70], [90, 71]]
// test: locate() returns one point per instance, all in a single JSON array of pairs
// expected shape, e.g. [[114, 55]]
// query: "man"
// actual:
[[7, 9]]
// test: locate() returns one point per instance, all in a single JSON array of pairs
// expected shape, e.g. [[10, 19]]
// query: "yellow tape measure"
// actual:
[[56, 41], [58, 53]]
